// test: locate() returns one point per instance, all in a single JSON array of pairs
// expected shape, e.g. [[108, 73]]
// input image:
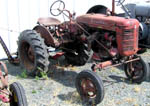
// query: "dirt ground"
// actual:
[[59, 87]]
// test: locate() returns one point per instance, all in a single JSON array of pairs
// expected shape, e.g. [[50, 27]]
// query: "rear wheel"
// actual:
[[137, 71], [17, 97], [33, 53], [90, 86], [100, 9], [77, 53]]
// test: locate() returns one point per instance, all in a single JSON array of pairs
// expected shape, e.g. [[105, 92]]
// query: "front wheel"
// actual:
[[90, 86], [137, 71], [17, 97]]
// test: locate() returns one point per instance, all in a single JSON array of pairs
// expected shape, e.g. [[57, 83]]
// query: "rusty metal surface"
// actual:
[[135, 69], [5, 94], [88, 88], [48, 38], [9, 55], [107, 66], [106, 22], [48, 21], [27, 55], [4, 80], [122, 26], [113, 7], [3, 77], [30, 54]]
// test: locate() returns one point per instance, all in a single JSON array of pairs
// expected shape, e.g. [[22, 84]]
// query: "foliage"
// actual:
[[23, 74], [34, 91]]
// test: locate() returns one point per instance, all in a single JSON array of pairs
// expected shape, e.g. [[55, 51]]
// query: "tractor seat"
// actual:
[[48, 21]]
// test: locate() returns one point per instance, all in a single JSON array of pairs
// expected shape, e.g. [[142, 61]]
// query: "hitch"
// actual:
[[109, 64]]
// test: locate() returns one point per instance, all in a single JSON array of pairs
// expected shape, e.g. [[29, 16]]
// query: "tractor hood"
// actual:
[[106, 22]]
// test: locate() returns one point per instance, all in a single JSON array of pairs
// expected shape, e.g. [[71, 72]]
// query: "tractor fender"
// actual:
[[98, 9], [45, 34]]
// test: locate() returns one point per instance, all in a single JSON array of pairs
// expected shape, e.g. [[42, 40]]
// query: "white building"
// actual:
[[18, 15]]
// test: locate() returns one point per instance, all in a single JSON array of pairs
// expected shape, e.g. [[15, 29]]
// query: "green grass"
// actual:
[[44, 75], [37, 78], [22, 75], [41, 88], [34, 91]]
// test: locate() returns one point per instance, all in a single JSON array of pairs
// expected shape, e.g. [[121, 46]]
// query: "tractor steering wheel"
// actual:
[[57, 8], [120, 2]]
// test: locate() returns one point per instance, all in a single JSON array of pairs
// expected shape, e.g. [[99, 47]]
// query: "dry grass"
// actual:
[[137, 89], [130, 100]]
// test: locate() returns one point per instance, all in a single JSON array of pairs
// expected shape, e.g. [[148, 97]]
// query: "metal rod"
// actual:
[[4, 91], [144, 45], [113, 7], [10, 58], [94, 38], [107, 50], [121, 63]]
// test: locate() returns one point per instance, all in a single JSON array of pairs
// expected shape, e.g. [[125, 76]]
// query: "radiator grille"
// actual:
[[128, 40]]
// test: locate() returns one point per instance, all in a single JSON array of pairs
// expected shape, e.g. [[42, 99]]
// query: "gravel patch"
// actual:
[[59, 88]]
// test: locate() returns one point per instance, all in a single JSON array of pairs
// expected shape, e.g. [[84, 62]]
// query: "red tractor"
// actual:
[[110, 40]]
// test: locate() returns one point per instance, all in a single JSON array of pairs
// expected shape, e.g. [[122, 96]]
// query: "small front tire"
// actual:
[[90, 86], [17, 97], [137, 71]]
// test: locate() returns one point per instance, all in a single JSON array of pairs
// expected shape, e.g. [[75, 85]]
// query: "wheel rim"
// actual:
[[27, 56], [135, 70], [30, 54], [88, 88], [13, 99]]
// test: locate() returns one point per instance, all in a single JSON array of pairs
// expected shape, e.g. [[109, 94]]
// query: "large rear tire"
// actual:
[[17, 97], [33, 53], [80, 55], [100, 9]]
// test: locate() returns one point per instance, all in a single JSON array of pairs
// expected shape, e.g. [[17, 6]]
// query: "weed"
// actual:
[[24, 74], [40, 69], [34, 91], [41, 88], [37, 78], [18, 77], [44, 75]]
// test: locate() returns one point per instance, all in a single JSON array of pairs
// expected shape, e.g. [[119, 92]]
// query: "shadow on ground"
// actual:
[[74, 98], [14, 70], [119, 79], [59, 71], [65, 77]]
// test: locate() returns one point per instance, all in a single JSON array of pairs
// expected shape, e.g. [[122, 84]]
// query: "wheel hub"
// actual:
[[30, 54], [135, 70], [88, 87]]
